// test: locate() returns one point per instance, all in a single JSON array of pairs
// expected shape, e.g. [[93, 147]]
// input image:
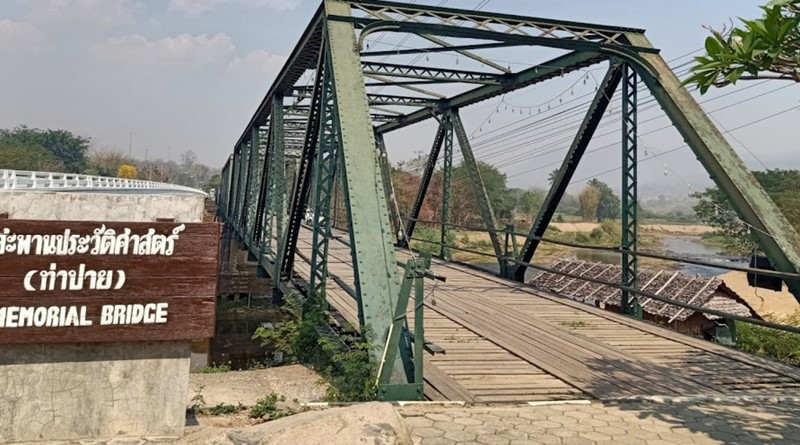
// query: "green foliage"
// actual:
[[267, 406], [197, 401], [352, 375], [770, 44], [428, 234], [495, 183], [609, 205], [346, 364], [282, 337], [15, 155], [214, 368], [714, 208], [222, 409], [214, 183], [589, 200], [66, 147], [784, 346]]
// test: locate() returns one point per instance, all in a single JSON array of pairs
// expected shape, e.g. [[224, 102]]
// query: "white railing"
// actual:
[[27, 180]]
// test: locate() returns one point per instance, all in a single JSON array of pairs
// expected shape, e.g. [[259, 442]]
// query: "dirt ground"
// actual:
[[762, 300], [679, 229], [295, 382]]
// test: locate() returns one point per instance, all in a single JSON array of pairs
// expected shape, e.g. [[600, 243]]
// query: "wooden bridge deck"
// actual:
[[508, 342]]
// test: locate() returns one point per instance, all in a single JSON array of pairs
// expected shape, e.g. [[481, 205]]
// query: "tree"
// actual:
[[17, 156], [529, 201], [714, 209], [65, 146], [551, 177], [589, 200], [765, 48], [213, 184], [127, 171], [609, 205], [106, 162], [495, 183]]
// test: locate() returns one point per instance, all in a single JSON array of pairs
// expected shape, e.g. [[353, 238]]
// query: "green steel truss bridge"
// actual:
[[319, 134]]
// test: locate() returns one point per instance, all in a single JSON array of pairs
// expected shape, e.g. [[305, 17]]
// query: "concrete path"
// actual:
[[633, 423], [628, 423]]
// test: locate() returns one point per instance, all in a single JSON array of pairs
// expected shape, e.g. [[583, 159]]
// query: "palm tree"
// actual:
[[551, 178]]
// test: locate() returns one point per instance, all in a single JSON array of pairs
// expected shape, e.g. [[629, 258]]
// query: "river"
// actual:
[[674, 245]]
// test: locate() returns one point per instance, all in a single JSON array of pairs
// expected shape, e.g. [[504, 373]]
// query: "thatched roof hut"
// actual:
[[705, 292]]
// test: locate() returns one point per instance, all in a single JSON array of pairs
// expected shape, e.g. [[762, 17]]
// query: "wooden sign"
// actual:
[[82, 281]]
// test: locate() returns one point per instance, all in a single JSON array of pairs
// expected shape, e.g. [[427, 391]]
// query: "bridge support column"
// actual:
[[447, 172], [630, 302]]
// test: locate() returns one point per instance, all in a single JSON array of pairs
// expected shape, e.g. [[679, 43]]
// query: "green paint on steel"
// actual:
[[424, 183], [279, 184], [388, 187], [325, 166], [268, 244], [553, 68], [776, 237], [374, 262], [584, 135], [630, 203], [478, 187], [447, 172]]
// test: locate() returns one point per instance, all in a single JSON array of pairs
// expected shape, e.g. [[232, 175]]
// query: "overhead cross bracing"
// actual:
[[318, 137]]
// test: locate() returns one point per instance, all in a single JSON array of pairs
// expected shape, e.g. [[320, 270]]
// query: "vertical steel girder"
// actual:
[[424, 182], [590, 122], [776, 237], [262, 190], [279, 185], [303, 174], [630, 204], [478, 187], [325, 166], [447, 172], [244, 194], [253, 186], [267, 246], [374, 263]]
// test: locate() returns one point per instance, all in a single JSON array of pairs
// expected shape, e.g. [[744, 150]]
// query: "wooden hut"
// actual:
[[705, 292]]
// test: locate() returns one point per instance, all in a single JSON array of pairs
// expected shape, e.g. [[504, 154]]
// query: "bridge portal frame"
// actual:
[[334, 137]]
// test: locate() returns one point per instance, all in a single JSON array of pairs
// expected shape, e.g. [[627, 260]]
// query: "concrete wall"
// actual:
[[73, 391], [76, 206], [95, 390]]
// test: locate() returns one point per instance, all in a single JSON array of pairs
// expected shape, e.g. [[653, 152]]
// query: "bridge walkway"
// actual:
[[507, 342]]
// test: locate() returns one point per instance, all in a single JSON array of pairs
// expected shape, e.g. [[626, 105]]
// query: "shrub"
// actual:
[[267, 406], [784, 346]]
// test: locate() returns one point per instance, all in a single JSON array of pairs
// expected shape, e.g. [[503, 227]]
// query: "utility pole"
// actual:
[[130, 144]]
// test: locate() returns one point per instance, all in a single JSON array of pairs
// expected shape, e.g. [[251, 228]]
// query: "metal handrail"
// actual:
[[48, 181]]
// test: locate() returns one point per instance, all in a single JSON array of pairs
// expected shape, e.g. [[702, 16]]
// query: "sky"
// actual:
[[188, 74]]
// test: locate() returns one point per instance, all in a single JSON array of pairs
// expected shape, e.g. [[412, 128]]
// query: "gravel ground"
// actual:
[[295, 382]]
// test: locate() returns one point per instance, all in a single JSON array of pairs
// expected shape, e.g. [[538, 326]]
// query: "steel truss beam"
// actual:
[[478, 187], [435, 16], [303, 172], [424, 182], [429, 73], [548, 70], [590, 122]]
